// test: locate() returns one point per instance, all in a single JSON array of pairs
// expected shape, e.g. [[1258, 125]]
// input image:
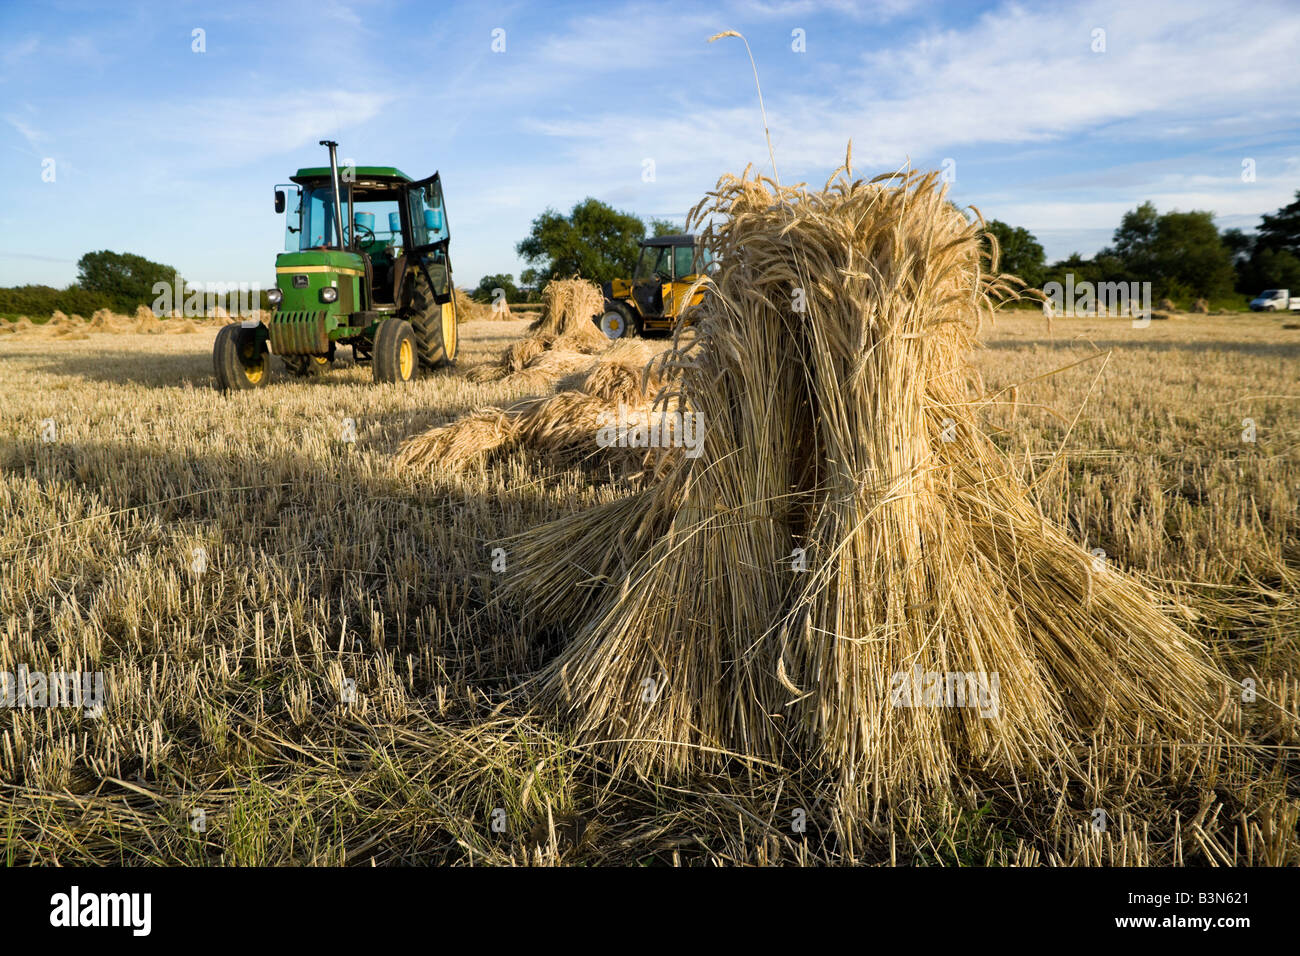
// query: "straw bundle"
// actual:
[[146, 323], [103, 320], [467, 310], [557, 342], [569, 307], [848, 532]]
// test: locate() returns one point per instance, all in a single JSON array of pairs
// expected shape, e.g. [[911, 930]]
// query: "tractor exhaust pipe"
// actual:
[[334, 177]]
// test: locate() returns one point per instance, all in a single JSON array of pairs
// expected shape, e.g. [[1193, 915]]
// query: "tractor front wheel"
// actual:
[[394, 358], [618, 321], [239, 360]]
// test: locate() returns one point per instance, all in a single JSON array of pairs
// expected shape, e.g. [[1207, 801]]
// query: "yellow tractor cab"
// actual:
[[648, 303]]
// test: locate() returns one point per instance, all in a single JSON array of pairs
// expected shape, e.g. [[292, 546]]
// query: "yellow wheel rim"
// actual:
[[449, 329], [252, 372], [406, 359]]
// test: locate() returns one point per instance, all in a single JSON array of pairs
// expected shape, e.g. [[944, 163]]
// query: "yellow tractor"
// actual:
[[648, 303]]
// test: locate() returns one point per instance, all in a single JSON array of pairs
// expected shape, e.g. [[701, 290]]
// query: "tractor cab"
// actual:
[[365, 246], [649, 302], [382, 212]]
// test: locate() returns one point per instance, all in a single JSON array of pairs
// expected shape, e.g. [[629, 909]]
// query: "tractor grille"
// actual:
[[299, 333]]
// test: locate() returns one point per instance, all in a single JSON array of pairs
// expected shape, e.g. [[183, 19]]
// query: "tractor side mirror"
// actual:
[[279, 200]]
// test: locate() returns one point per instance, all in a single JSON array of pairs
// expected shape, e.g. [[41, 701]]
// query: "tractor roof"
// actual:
[[681, 239], [390, 173]]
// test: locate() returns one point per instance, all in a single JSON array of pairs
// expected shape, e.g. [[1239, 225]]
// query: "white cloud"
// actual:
[[33, 136], [228, 130]]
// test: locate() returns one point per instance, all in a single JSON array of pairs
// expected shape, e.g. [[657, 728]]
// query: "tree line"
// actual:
[[1182, 254]]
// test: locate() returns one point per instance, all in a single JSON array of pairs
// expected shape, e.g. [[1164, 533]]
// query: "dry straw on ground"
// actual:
[[848, 526], [560, 428]]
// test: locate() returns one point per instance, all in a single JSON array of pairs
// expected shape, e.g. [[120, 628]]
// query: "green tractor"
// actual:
[[345, 281]]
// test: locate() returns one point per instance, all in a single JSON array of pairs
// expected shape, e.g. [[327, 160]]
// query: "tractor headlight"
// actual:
[[274, 296], [329, 294]]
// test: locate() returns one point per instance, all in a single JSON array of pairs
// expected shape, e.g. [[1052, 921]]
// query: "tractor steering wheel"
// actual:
[[357, 227]]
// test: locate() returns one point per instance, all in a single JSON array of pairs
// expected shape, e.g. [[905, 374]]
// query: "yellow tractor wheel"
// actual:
[[395, 358], [617, 321]]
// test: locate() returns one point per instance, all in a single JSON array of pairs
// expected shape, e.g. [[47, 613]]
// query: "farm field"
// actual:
[[239, 564]]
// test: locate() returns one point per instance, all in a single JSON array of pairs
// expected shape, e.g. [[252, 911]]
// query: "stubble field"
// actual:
[[304, 663]]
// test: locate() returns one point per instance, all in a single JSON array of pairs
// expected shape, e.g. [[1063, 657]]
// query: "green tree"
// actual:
[[125, 279], [594, 241], [486, 291], [662, 227], [1190, 254], [1275, 269], [531, 283], [1019, 252], [1181, 254], [1281, 230], [1137, 233]]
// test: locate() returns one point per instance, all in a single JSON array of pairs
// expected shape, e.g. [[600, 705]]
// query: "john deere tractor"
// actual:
[[648, 303], [346, 280]]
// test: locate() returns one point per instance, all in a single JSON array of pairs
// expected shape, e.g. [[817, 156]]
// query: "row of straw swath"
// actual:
[[848, 524], [104, 321]]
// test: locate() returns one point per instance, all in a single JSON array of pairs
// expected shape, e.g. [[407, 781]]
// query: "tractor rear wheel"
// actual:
[[434, 325], [239, 360], [395, 356]]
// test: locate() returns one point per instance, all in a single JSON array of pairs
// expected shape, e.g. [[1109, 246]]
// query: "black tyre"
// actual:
[[395, 357], [434, 325], [618, 322], [239, 360]]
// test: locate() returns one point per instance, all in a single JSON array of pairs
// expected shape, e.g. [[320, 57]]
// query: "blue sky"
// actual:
[[173, 154]]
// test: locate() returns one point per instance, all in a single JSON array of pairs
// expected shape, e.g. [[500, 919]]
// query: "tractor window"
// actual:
[[703, 257], [428, 216], [654, 259], [682, 261], [318, 227], [292, 218], [380, 225]]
